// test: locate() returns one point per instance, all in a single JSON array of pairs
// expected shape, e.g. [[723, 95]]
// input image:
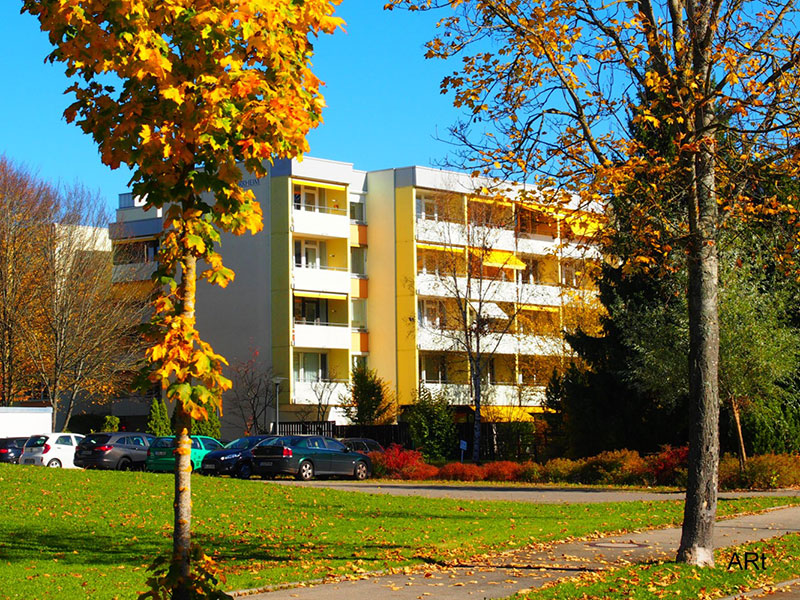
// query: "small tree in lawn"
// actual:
[[199, 85], [370, 401], [158, 423], [430, 422]]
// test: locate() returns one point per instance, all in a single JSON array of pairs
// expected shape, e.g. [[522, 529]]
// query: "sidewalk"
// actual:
[[502, 575]]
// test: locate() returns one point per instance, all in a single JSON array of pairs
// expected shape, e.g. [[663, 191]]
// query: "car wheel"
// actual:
[[361, 472], [244, 471], [306, 471], [55, 463], [124, 464]]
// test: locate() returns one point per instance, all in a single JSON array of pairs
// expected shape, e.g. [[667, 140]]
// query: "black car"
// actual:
[[122, 450], [234, 459], [11, 448], [305, 456], [363, 445]]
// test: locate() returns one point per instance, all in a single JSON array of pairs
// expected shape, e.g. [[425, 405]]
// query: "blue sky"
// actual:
[[384, 107]]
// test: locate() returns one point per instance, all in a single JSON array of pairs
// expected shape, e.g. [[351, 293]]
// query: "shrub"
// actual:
[[668, 467], [618, 467], [559, 470], [530, 472], [730, 476], [462, 472], [770, 471], [398, 463], [111, 423], [503, 471]]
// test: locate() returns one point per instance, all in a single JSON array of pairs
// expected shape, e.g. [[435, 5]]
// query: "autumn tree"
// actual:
[[26, 207], [197, 87], [252, 394], [82, 337], [548, 88], [370, 400]]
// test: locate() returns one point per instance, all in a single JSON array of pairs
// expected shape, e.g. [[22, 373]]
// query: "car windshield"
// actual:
[[95, 439], [239, 444], [36, 441]]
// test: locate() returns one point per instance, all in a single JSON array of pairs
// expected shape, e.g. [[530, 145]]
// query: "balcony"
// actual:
[[322, 222], [321, 335], [326, 391], [324, 279], [133, 272], [502, 394], [488, 290]]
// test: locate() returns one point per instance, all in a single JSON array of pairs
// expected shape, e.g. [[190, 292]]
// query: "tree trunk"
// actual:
[[476, 440], [700, 510], [181, 536], [737, 420]]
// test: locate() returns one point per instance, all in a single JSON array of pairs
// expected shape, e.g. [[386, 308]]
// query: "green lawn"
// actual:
[[91, 534], [671, 580]]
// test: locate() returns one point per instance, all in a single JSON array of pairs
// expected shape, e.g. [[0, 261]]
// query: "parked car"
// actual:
[[161, 453], [235, 458], [50, 449], [306, 456], [363, 445], [120, 450], [11, 448]]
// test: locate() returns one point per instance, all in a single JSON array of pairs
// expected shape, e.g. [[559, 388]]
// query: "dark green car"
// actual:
[[306, 456], [161, 453]]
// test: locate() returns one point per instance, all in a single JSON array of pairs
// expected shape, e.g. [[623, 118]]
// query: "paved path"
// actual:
[[502, 575], [533, 493]]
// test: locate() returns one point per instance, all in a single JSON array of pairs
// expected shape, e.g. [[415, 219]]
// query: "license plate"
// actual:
[[84, 453], [209, 467], [266, 463], [28, 461], [161, 453]]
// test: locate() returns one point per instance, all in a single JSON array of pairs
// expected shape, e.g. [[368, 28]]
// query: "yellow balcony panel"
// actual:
[[359, 341], [358, 234], [359, 287]]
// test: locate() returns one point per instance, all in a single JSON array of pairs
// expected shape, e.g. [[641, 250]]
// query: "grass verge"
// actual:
[[672, 580], [91, 534]]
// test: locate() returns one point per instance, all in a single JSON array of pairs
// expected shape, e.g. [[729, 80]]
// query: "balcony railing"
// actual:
[[334, 280], [319, 334], [133, 272], [322, 222]]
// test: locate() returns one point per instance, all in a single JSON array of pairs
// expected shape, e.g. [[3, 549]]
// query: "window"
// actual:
[[135, 252], [335, 446], [358, 260], [487, 371], [434, 368], [431, 313], [532, 272], [569, 274], [309, 198], [65, 440], [358, 212], [359, 362], [359, 313], [310, 254], [310, 366], [310, 310], [427, 208]]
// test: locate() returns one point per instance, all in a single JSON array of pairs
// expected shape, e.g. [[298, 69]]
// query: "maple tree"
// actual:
[[181, 91], [549, 87]]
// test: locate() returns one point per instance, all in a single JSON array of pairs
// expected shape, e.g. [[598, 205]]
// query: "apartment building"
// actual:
[[357, 267]]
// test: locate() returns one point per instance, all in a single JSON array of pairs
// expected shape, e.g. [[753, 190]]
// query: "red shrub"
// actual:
[[462, 472], [503, 470], [668, 467], [398, 463]]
